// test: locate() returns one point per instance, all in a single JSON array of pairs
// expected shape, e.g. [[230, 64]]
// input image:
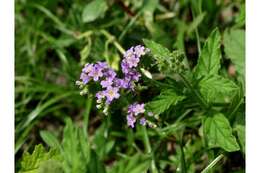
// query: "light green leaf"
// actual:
[[218, 133], [157, 50], [49, 138], [31, 163], [163, 102], [93, 10], [234, 46], [217, 89], [240, 129], [209, 59]]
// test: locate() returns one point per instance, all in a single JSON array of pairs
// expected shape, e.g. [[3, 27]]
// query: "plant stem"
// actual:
[[148, 149], [111, 37], [213, 163], [196, 32], [86, 115], [195, 92]]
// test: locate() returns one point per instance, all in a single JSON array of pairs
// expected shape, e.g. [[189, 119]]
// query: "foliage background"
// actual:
[[53, 39]]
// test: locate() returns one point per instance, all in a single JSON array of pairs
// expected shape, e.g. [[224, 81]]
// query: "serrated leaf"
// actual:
[[234, 46], [217, 89], [93, 10], [218, 133], [209, 59], [163, 102], [240, 129], [31, 163]]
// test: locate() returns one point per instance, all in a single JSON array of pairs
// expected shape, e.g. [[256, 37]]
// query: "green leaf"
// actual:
[[93, 10], [209, 59], [49, 138], [240, 129], [234, 46], [134, 164], [157, 50], [72, 149], [31, 163], [163, 102], [217, 89], [218, 133]]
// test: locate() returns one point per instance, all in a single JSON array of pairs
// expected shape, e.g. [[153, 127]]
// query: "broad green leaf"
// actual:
[[209, 59], [218, 133], [163, 102], [31, 163], [234, 46], [93, 10], [240, 129], [217, 89], [49, 138]]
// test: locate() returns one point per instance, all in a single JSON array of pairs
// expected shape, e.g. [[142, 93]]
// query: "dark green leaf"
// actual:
[[209, 59], [162, 102], [218, 89], [218, 133]]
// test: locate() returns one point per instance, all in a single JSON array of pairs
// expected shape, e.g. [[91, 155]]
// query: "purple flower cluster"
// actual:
[[111, 84], [101, 72], [129, 64], [133, 111]]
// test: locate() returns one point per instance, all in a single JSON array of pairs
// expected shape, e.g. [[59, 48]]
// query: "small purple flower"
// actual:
[[131, 120], [143, 121], [85, 78], [132, 61], [129, 53], [139, 50], [106, 83], [110, 73], [101, 65], [136, 109], [125, 67], [96, 73], [87, 68], [100, 95], [111, 93]]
